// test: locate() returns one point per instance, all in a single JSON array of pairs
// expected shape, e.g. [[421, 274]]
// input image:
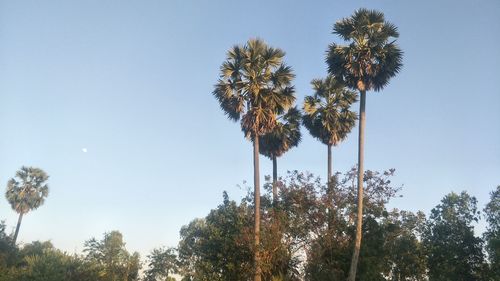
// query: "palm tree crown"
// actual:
[[284, 136], [372, 57], [327, 113], [255, 86], [29, 192]]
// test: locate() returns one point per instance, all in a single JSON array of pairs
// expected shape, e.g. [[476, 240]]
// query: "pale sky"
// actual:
[[113, 99]]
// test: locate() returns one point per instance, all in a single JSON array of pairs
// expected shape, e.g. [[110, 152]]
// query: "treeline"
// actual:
[[102, 260], [307, 234]]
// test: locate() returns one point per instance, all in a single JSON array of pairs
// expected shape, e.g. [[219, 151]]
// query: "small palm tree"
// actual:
[[327, 113], [367, 63], [27, 193], [254, 87], [284, 136]]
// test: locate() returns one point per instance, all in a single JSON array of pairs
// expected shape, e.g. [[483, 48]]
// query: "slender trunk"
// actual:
[[329, 189], [256, 183], [17, 227], [329, 162], [275, 181], [359, 220]]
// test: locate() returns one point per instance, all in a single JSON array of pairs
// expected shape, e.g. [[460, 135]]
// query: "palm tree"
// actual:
[[367, 63], [28, 193], [327, 113], [284, 136], [328, 118], [254, 87]]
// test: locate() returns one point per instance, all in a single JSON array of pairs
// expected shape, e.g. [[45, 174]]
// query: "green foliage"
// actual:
[[405, 255], [492, 234], [112, 258], [29, 191], [454, 253], [284, 136], [36, 248], [161, 263], [330, 247], [39, 261], [371, 58], [255, 86], [8, 253], [327, 113], [218, 247]]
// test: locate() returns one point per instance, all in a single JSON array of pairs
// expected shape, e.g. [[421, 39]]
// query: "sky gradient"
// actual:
[[131, 82]]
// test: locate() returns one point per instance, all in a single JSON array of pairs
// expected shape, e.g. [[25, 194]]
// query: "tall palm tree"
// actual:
[[284, 136], [27, 193], [327, 113], [254, 87], [368, 62], [328, 118]]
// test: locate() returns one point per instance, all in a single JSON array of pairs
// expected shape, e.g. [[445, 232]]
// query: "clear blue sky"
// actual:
[[131, 81]]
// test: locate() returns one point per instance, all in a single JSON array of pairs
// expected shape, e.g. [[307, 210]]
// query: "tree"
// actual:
[[492, 234], [328, 118], [405, 255], [367, 63], [329, 248], [284, 136], [27, 193], [327, 113], [453, 252], [254, 86], [161, 263], [110, 254], [39, 261], [218, 247], [8, 251]]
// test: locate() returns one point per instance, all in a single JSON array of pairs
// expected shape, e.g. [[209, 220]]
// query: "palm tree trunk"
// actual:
[[275, 180], [256, 183], [17, 227], [329, 162], [359, 221], [329, 188]]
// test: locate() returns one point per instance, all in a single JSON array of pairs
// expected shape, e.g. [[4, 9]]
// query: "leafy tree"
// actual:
[[40, 261], [367, 63], [161, 263], [8, 252], [254, 86], [36, 248], [454, 253], [327, 113], [492, 234], [219, 246], [405, 254], [331, 245], [27, 193], [50, 265], [110, 254], [284, 136]]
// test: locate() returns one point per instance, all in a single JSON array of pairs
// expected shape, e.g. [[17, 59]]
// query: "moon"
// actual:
[[84, 150]]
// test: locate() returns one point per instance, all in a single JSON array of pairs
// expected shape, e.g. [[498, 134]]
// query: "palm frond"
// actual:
[[284, 136], [255, 86], [327, 113], [29, 191], [371, 58]]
